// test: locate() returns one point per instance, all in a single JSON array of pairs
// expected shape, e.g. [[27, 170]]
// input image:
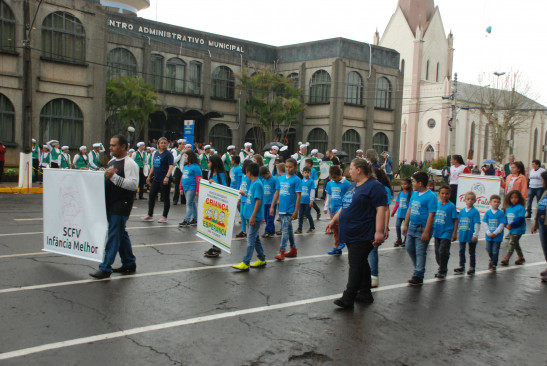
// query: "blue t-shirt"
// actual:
[[255, 192], [512, 212], [336, 191], [287, 187], [493, 220], [161, 163], [444, 220], [421, 206], [314, 176], [245, 183], [466, 224], [189, 174], [402, 198], [219, 178], [388, 191], [542, 206], [307, 187], [269, 189], [358, 216], [235, 177]]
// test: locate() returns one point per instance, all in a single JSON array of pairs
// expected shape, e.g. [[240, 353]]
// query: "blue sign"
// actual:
[[189, 131]]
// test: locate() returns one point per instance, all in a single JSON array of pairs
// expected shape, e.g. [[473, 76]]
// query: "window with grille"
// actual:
[[320, 87], [7, 28], [354, 89], [319, 140], [380, 143], [351, 141], [156, 71], [221, 137], [383, 93], [223, 83], [62, 120], [63, 37], [7, 120], [175, 75], [194, 78], [121, 63]]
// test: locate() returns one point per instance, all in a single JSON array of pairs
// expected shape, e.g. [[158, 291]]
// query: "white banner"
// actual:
[[217, 208], [482, 185], [75, 221]]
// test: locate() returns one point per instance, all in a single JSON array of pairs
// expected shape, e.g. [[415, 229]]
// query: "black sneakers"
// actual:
[[184, 223], [459, 270], [416, 281], [440, 275], [126, 270], [100, 274], [364, 297], [344, 305]]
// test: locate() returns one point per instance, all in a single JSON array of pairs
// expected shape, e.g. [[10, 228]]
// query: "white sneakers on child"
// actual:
[[374, 281]]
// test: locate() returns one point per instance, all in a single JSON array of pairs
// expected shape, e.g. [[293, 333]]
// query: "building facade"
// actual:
[[352, 90]]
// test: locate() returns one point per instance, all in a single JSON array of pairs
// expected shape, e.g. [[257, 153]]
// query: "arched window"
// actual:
[[156, 71], [320, 87], [7, 120], [221, 137], [383, 93], [223, 83], [61, 119], [472, 137], [63, 37], [535, 144], [438, 70], [290, 135], [429, 154], [380, 143], [318, 139], [121, 62], [294, 77], [427, 70], [257, 137], [403, 66], [194, 78], [175, 75], [486, 142], [354, 89], [7, 28], [351, 141]]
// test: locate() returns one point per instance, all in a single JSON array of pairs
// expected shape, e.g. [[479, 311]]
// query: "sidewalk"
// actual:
[[11, 187]]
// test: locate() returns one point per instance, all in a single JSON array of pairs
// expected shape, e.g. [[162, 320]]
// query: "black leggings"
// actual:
[[165, 189], [453, 193]]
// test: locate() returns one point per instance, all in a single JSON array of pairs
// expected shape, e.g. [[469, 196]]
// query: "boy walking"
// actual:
[[254, 213], [469, 226], [418, 224], [269, 182], [493, 223], [307, 201], [288, 190], [445, 230]]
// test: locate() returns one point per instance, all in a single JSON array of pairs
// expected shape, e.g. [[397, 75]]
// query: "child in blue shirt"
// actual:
[[236, 174], [418, 225], [445, 230], [315, 177], [269, 182], [401, 206], [307, 200], [254, 214], [516, 223], [288, 189], [245, 182], [336, 189], [493, 222], [469, 224]]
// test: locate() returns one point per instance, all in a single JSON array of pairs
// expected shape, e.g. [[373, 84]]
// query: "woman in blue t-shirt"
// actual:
[[217, 171], [159, 179], [189, 184], [541, 222], [361, 225]]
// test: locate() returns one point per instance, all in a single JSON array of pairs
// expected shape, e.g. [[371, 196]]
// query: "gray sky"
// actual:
[[517, 40]]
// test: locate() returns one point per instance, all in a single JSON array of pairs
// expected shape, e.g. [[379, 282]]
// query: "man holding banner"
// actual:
[[121, 181]]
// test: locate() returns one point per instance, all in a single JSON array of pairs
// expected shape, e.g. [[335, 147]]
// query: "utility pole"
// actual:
[[27, 82], [452, 120]]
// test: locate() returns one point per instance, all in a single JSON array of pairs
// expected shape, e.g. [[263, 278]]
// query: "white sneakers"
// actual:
[[374, 281]]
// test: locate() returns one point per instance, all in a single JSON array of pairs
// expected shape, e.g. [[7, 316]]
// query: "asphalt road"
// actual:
[[183, 308]]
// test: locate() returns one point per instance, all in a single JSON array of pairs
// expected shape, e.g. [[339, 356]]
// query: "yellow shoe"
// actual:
[[258, 264], [241, 266]]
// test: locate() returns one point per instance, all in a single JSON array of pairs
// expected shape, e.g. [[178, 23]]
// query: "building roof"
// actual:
[[475, 95], [417, 13]]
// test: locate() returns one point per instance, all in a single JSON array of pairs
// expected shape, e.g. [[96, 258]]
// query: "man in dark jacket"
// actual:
[[121, 181]]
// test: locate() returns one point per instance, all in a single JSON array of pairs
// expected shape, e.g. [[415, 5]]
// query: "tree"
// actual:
[[272, 101], [507, 109], [129, 100]]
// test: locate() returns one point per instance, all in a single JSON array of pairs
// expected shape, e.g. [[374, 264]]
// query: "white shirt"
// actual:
[[455, 173], [535, 178]]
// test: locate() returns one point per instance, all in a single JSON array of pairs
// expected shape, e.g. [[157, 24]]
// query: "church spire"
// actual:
[[418, 13]]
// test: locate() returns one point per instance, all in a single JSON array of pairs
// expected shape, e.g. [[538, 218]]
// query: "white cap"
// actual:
[[34, 141], [83, 148], [248, 144], [284, 148], [314, 151], [188, 146], [231, 147], [206, 147], [334, 151], [252, 151], [131, 150], [152, 149], [359, 151], [65, 148], [46, 146], [303, 146], [181, 141], [275, 147], [139, 144], [97, 144]]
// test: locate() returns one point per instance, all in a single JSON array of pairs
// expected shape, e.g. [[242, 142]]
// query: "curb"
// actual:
[[21, 190]]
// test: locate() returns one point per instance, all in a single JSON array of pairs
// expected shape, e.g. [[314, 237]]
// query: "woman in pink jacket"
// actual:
[[516, 180]]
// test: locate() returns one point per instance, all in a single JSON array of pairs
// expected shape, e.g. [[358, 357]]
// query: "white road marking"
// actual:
[[36, 219], [208, 318]]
